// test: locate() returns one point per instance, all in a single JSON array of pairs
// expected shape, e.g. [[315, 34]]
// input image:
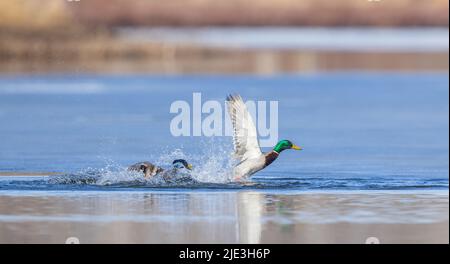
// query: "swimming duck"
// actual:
[[245, 140], [151, 170]]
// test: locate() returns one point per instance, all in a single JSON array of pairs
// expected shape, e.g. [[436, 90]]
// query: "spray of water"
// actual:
[[212, 164]]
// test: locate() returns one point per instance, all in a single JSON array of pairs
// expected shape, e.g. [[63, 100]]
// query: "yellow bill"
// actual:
[[296, 147]]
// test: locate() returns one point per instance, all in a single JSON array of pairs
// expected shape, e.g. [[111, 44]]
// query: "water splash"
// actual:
[[212, 165], [215, 164]]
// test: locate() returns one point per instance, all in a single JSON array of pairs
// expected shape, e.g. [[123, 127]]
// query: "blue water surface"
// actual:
[[360, 131]]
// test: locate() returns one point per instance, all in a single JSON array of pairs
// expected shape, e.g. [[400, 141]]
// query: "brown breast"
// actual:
[[270, 157]]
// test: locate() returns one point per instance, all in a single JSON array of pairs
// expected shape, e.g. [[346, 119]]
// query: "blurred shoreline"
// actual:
[[313, 36], [237, 13], [165, 52]]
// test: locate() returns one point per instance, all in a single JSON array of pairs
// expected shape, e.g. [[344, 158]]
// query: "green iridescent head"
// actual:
[[181, 163], [285, 144]]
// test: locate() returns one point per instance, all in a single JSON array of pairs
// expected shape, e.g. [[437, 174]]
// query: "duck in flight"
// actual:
[[151, 170], [245, 140]]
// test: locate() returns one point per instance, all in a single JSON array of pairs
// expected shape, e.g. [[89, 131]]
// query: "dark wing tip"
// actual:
[[233, 97]]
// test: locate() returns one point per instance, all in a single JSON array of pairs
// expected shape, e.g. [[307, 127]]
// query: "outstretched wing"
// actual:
[[245, 137]]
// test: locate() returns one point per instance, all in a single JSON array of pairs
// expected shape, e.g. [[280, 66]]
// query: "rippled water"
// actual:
[[319, 183]]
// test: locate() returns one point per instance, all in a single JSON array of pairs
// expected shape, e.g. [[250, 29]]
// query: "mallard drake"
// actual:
[[245, 140], [181, 164], [151, 170]]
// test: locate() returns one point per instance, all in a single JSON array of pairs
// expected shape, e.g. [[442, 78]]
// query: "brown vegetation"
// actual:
[[63, 36], [38, 14], [263, 12], [33, 15]]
